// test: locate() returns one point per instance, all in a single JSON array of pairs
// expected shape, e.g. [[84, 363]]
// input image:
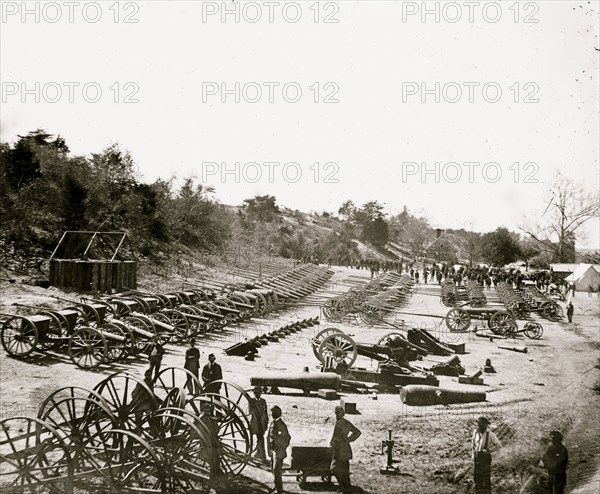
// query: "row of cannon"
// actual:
[[110, 329], [129, 435], [470, 293], [372, 301], [529, 299]]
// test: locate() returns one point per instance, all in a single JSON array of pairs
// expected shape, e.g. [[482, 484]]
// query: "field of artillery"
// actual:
[[413, 364]]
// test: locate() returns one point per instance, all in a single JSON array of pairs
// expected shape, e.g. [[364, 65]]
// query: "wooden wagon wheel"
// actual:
[[136, 345], [232, 392], [260, 304], [128, 398], [88, 348], [172, 378], [117, 350], [76, 417], [458, 320], [182, 442], [176, 320], [19, 336], [388, 339], [502, 322], [56, 333], [232, 429], [118, 461], [339, 346], [370, 314], [533, 330], [318, 339], [164, 335], [552, 311], [121, 308], [33, 456]]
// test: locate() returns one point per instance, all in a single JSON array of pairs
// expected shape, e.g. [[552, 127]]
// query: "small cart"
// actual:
[[311, 461]]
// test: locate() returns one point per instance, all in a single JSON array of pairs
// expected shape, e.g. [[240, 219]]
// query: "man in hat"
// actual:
[[277, 444], [344, 433], [555, 460], [570, 311], [192, 364], [212, 372], [483, 443], [155, 355], [259, 420]]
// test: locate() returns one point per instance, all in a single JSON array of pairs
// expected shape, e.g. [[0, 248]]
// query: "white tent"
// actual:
[[583, 276]]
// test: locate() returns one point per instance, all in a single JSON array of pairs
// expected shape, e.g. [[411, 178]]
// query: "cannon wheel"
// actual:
[[172, 378], [339, 346], [67, 415], [55, 336], [502, 322], [370, 314], [88, 348], [318, 339], [533, 330], [117, 350], [233, 429], [34, 456], [234, 393], [458, 320], [19, 336], [182, 442], [176, 320], [118, 461], [116, 390], [552, 311], [386, 340]]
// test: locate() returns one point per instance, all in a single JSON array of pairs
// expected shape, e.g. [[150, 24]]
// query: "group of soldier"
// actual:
[[278, 440]]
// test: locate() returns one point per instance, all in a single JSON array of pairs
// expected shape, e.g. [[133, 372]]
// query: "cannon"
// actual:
[[305, 381]]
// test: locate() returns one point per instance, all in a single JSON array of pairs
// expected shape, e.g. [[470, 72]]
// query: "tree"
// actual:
[[568, 207], [262, 209], [499, 247]]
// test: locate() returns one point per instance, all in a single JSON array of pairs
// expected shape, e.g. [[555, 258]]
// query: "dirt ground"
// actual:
[[555, 385]]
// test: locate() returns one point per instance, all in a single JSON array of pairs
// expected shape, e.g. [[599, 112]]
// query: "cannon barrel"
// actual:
[[305, 381], [417, 395]]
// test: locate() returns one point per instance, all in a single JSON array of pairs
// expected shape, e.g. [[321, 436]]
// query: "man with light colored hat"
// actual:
[[483, 443], [277, 444], [344, 433], [555, 460], [259, 420]]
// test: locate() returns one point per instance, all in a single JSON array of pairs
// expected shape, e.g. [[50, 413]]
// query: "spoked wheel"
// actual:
[[371, 314], [88, 348], [128, 398], [340, 347], [55, 335], [458, 320], [67, 414], [118, 461], [183, 444], [229, 425], [552, 311], [174, 377], [165, 327], [33, 456], [19, 336], [520, 310], [232, 392], [533, 330], [180, 323], [390, 339], [119, 347], [503, 323], [318, 339]]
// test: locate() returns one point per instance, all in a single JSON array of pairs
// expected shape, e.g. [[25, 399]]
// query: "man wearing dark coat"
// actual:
[[192, 364], [555, 460], [212, 372], [344, 433]]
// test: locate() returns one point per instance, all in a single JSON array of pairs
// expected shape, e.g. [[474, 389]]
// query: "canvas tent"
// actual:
[[585, 275]]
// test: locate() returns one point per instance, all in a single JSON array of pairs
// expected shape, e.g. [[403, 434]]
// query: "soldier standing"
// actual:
[[192, 364], [259, 420], [344, 433], [278, 442], [555, 460], [212, 372]]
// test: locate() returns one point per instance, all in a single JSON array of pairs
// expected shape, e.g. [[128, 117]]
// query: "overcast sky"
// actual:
[[158, 84]]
